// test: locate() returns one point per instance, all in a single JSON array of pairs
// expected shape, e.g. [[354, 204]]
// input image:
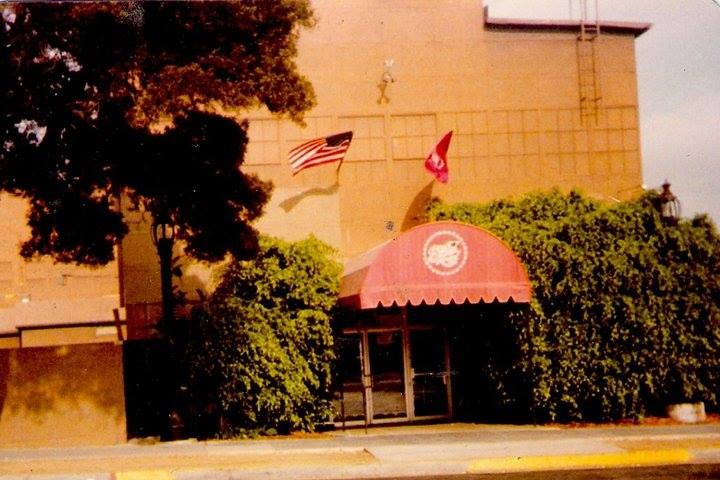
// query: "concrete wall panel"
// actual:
[[70, 395]]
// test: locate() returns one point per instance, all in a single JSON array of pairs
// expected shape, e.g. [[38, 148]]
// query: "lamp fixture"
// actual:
[[669, 205], [387, 76]]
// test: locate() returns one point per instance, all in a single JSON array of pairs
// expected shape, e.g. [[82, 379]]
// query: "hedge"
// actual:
[[626, 310], [262, 350]]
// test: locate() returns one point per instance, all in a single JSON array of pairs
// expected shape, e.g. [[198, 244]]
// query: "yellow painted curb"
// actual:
[[144, 475], [583, 461]]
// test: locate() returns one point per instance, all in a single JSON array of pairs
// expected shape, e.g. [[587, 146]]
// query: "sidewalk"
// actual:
[[450, 449]]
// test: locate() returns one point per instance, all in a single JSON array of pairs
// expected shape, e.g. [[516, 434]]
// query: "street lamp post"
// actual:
[[163, 236]]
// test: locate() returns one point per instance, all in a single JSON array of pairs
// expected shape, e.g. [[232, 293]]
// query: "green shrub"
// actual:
[[263, 349], [626, 310]]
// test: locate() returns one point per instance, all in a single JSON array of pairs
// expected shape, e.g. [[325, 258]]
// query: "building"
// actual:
[[533, 105]]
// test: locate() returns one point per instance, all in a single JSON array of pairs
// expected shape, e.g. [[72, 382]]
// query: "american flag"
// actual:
[[319, 151]]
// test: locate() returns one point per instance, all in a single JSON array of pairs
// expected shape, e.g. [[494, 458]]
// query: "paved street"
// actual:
[[391, 452], [679, 472]]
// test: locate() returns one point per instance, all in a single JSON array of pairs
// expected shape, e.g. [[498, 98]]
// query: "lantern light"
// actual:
[[669, 205]]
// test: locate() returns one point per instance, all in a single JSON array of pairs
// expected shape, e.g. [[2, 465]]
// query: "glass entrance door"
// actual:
[[350, 403], [371, 372], [430, 373], [387, 378]]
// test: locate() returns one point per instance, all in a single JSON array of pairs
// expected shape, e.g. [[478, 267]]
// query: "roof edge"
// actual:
[[630, 28]]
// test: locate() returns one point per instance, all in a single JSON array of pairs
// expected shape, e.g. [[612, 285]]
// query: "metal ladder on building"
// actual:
[[588, 81]]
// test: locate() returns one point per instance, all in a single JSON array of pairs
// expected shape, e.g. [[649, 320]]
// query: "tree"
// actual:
[[262, 350], [626, 312], [103, 99]]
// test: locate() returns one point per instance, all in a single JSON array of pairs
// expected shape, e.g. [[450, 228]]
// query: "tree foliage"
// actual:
[[109, 98], [262, 350], [626, 312]]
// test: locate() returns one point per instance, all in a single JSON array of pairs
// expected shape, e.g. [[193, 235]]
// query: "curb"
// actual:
[[533, 463], [637, 458]]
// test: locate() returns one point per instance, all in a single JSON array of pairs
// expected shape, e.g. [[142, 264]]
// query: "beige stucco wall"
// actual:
[[511, 98], [42, 279], [39, 292], [70, 395]]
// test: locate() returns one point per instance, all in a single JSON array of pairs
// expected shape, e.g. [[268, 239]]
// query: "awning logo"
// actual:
[[445, 252]]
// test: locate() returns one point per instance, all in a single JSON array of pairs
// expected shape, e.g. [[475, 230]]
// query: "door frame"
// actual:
[[366, 373], [447, 371]]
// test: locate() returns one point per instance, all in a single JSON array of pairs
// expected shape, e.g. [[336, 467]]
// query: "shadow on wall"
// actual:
[[37, 382], [292, 202], [416, 210]]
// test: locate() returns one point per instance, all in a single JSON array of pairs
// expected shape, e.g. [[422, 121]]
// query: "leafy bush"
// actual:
[[626, 310], [262, 349]]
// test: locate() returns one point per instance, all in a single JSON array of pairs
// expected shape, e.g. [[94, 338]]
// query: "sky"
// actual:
[[678, 66]]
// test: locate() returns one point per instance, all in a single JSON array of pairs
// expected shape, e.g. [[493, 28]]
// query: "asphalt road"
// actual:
[[681, 472]]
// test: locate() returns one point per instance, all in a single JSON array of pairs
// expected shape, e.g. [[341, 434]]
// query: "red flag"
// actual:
[[319, 151], [436, 161]]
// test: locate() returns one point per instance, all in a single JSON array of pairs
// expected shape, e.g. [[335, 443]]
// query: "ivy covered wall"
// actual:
[[626, 311]]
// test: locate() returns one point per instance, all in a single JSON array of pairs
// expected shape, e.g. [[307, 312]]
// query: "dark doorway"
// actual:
[[385, 352], [430, 372]]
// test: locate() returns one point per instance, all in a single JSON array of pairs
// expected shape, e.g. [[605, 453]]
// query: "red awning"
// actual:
[[443, 261]]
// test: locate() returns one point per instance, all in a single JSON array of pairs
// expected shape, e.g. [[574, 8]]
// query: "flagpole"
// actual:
[[337, 173]]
